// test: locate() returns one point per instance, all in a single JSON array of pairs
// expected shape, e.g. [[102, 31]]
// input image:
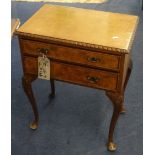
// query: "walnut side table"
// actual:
[[85, 47]]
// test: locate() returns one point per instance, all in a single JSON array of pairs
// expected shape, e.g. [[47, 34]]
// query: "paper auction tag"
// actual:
[[43, 68]]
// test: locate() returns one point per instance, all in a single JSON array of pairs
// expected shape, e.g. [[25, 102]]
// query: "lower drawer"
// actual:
[[76, 74]]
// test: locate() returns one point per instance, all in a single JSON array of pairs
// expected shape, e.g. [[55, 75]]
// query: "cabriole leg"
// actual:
[[126, 82], [27, 81], [117, 100], [52, 88], [128, 74]]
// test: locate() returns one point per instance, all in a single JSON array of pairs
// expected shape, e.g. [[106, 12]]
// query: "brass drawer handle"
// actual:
[[43, 50], [93, 79], [93, 59]]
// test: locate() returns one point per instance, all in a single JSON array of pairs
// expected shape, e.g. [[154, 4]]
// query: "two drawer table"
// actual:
[[85, 47]]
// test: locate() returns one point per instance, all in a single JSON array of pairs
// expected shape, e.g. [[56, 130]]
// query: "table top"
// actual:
[[105, 30]]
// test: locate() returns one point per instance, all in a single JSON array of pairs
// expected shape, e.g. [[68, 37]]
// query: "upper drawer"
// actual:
[[73, 55]]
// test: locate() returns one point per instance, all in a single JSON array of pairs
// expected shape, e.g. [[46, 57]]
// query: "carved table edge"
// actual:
[[73, 42]]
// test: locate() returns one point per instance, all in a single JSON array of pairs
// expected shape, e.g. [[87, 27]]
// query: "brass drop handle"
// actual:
[[93, 59], [43, 51], [93, 79]]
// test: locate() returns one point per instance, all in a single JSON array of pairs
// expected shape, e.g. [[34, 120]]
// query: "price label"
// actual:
[[43, 68]]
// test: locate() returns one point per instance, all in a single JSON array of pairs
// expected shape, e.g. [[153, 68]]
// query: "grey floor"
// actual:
[[76, 121]]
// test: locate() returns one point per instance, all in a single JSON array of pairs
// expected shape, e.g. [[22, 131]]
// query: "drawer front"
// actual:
[[73, 55], [76, 74]]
